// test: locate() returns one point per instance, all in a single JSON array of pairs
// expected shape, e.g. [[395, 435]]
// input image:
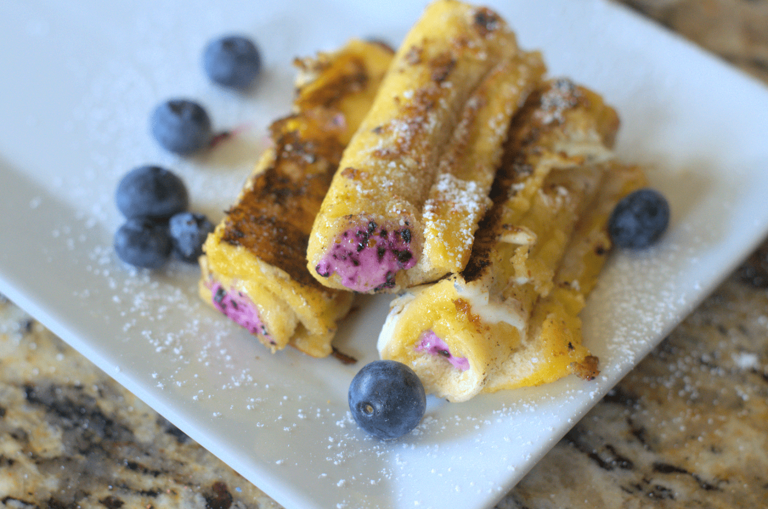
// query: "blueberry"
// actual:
[[387, 399], [188, 233], [639, 219], [232, 61], [151, 191], [143, 242], [181, 126]]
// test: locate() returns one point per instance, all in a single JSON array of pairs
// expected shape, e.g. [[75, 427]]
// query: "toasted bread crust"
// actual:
[[273, 218], [557, 111], [254, 268]]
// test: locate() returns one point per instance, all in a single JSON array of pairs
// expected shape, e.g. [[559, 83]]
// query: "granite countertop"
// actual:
[[686, 428]]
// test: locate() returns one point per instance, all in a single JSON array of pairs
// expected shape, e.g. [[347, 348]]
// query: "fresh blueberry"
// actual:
[[143, 243], [232, 61], [151, 191], [181, 126], [639, 219], [188, 233], [387, 399]]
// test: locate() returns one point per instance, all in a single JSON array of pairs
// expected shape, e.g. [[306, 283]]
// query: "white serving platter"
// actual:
[[78, 82]]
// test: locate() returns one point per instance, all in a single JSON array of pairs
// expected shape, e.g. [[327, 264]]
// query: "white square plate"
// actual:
[[75, 98]]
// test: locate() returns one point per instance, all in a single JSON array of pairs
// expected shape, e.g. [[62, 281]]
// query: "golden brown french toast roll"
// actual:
[[553, 345], [459, 331], [254, 267], [414, 180], [458, 199]]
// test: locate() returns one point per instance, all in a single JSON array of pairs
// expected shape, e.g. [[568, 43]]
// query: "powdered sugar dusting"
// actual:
[[455, 206], [557, 100]]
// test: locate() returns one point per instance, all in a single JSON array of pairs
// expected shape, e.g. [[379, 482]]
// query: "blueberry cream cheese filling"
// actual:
[[238, 307], [433, 345], [367, 258]]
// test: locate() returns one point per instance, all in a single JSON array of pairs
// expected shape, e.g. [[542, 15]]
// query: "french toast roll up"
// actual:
[[458, 199], [254, 266], [553, 347], [460, 321], [457, 332], [436, 128]]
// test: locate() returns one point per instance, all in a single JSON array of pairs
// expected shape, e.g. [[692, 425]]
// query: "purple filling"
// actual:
[[367, 258], [238, 308], [433, 345]]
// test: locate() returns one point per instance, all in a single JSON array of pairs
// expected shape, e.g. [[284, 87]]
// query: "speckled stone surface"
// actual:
[[686, 428], [71, 437]]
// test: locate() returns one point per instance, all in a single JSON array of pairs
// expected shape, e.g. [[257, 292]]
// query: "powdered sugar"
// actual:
[[455, 206], [557, 100]]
